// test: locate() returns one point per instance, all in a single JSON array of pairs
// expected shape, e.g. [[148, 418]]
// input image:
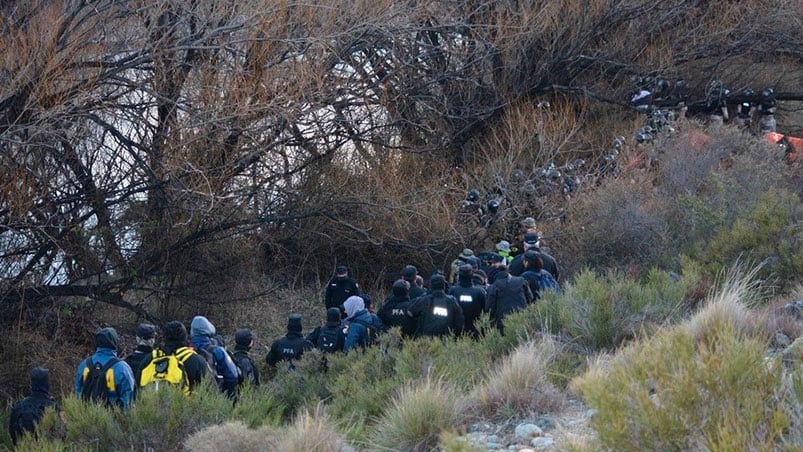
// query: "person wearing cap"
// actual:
[[176, 343], [506, 295], [243, 341], [120, 380], [466, 257], [504, 249], [530, 241], [410, 274], [358, 323], [328, 338], [290, 347], [437, 314], [202, 333], [394, 312], [528, 225], [470, 297], [495, 265], [339, 288], [26, 413], [143, 353]]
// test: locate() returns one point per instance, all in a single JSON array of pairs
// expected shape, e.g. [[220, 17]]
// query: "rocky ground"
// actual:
[[556, 431]]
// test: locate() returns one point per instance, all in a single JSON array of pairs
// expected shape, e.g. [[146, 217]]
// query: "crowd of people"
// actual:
[[500, 282]]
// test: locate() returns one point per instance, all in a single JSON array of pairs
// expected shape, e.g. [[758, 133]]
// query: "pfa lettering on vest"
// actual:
[[440, 312], [397, 312], [288, 351], [466, 299]]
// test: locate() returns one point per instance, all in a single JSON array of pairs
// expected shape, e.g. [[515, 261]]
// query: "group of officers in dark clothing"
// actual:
[[500, 283]]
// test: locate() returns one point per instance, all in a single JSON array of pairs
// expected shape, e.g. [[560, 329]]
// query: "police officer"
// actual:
[[243, 341], [394, 312], [290, 347], [470, 297], [339, 288], [437, 314], [26, 413], [506, 295]]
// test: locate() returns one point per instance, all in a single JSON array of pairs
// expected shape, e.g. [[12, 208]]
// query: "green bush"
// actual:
[[257, 407], [416, 417], [672, 392], [452, 359], [92, 426], [163, 419], [303, 385]]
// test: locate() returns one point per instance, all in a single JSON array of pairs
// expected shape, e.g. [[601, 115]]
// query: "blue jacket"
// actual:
[[224, 365], [122, 391], [357, 335]]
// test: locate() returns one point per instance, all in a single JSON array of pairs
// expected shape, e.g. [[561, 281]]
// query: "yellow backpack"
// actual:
[[167, 368]]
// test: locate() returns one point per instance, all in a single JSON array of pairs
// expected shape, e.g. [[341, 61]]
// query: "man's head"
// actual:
[[464, 272], [40, 381], [106, 338], [341, 271], [201, 326], [294, 323], [528, 224], [175, 332], [437, 282], [409, 272], [146, 334], [353, 305], [496, 260], [332, 317], [243, 338], [532, 261], [503, 246], [466, 254], [401, 288], [531, 240]]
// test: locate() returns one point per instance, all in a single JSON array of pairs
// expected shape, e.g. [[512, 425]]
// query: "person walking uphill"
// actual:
[[26, 413], [175, 343], [290, 347], [395, 310], [361, 326], [243, 341], [329, 338], [103, 376], [437, 314], [470, 297], [142, 354], [201, 333], [506, 295], [339, 288]]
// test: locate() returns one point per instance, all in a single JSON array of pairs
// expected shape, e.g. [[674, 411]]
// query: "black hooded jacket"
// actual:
[[437, 314], [288, 348], [506, 295], [471, 299]]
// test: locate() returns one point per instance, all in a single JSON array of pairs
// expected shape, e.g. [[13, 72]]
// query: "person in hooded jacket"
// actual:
[[121, 390], [175, 342], [26, 413], [410, 274], [358, 321], [437, 314], [329, 338], [143, 353], [290, 347], [243, 341], [470, 297], [506, 295], [395, 310], [202, 333]]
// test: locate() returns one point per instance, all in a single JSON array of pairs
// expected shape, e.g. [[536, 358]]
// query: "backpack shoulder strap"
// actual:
[[184, 353]]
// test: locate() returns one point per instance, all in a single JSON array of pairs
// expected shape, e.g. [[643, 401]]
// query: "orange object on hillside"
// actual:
[[797, 143]]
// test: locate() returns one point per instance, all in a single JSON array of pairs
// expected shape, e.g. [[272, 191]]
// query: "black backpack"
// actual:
[[373, 331], [94, 386], [328, 339]]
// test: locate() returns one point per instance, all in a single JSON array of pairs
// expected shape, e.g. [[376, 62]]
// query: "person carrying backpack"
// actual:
[[175, 343], [103, 376], [243, 341], [329, 338], [141, 356], [538, 277], [202, 332], [360, 325], [26, 413]]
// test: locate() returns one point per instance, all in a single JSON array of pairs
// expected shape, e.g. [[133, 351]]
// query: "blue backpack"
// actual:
[[547, 282]]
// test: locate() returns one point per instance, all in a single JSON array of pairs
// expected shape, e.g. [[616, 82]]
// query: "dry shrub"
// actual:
[[231, 437], [311, 432], [776, 318], [727, 307], [417, 416], [519, 383]]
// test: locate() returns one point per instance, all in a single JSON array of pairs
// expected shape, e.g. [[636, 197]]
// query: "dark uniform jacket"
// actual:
[[472, 301], [437, 314], [507, 294], [338, 290], [138, 359], [332, 334], [288, 348], [26, 413], [246, 365], [395, 312]]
